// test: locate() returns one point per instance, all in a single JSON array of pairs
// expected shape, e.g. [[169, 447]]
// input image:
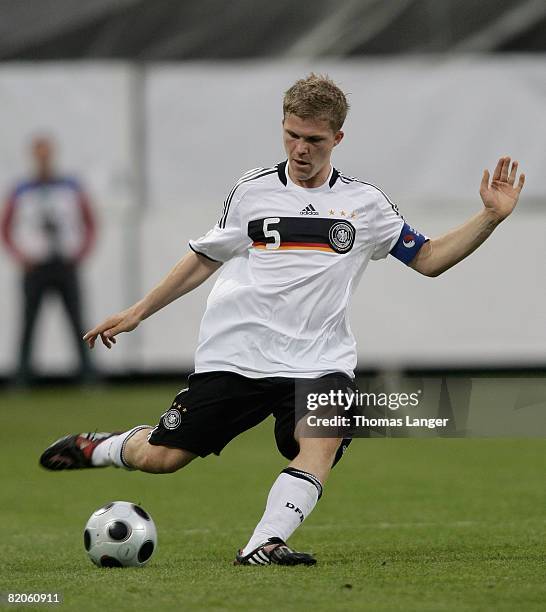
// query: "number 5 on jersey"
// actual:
[[271, 233]]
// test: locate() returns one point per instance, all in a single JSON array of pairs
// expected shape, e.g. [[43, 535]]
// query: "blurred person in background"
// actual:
[[48, 227]]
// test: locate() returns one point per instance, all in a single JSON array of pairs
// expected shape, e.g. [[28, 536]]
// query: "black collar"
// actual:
[[281, 171]]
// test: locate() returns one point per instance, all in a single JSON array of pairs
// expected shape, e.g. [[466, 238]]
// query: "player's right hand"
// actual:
[[124, 321]]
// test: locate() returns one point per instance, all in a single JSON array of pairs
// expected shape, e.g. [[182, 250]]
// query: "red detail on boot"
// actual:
[[86, 446]]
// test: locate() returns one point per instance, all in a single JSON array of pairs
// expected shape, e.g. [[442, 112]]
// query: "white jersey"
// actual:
[[293, 257], [49, 218]]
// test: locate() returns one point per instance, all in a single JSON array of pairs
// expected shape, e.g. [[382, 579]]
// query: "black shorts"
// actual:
[[218, 406]]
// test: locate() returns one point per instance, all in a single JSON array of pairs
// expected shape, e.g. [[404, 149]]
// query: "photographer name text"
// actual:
[[359, 420]]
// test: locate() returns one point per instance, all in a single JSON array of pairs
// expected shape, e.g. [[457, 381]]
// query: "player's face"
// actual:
[[308, 144], [42, 152]]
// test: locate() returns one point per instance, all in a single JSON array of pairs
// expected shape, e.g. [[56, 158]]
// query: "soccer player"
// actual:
[[293, 241], [48, 227]]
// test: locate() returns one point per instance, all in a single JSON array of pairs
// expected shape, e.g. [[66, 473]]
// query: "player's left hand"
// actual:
[[501, 196]]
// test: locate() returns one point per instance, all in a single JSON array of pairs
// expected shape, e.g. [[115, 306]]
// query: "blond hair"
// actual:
[[317, 97]]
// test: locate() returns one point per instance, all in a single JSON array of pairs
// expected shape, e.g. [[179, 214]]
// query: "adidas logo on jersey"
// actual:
[[309, 210]]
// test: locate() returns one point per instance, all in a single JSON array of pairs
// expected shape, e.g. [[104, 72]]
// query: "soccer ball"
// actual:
[[120, 534]]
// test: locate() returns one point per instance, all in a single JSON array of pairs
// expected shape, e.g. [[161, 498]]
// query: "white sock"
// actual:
[[110, 452], [290, 501]]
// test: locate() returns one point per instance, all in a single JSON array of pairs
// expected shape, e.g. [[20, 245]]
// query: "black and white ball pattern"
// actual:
[[120, 534]]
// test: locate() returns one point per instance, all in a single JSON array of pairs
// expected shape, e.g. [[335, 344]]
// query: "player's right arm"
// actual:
[[225, 240], [7, 231], [190, 272]]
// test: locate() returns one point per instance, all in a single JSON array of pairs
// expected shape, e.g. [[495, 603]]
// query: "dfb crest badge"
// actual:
[[171, 419], [342, 236]]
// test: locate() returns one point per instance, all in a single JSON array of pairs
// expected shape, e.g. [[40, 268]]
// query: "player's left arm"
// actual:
[[89, 225], [499, 196]]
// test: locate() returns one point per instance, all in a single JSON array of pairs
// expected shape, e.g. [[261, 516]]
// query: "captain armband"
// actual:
[[408, 244]]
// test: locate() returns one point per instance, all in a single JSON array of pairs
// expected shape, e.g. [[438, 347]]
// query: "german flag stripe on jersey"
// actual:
[[297, 233], [294, 246]]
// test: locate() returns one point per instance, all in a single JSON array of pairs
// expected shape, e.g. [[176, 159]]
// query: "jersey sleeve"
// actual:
[[393, 235], [387, 226], [226, 239]]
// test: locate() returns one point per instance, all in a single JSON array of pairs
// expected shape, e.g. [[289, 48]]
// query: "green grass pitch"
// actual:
[[429, 524]]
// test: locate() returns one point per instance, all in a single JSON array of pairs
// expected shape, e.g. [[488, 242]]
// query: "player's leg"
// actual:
[[157, 450], [292, 498], [32, 294], [201, 420], [299, 486], [67, 283], [204, 418], [316, 456], [129, 450], [139, 454]]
